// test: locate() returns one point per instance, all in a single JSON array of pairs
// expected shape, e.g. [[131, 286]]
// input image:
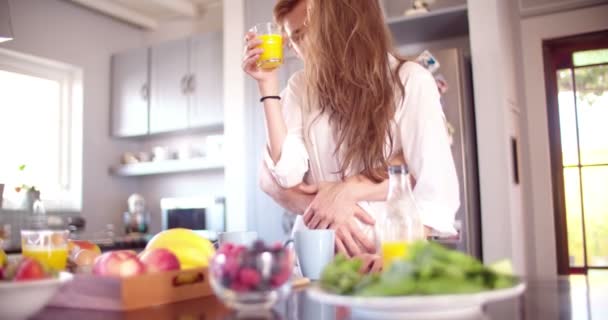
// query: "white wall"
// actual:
[[61, 31], [491, 25], [235, 119], [539, 201]]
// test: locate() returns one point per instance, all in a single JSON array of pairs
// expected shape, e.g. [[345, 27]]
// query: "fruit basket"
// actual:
[[121, 294], [172, 268]]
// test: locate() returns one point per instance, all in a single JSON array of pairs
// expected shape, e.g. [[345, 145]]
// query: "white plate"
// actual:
[[432, 305], [21, 300]]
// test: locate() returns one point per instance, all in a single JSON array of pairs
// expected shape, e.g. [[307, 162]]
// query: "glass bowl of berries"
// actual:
[[251, 278]]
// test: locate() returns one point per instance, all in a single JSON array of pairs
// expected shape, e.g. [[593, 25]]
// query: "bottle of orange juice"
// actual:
[[401, 223]]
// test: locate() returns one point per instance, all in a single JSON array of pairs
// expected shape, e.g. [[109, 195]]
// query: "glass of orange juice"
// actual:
[[272, 43], [49, 247]]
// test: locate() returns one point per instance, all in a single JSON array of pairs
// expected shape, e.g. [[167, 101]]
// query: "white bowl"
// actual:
[[21, 300]]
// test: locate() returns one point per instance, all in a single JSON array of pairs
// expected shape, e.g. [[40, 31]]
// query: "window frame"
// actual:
[[71, 122], [557, 54]]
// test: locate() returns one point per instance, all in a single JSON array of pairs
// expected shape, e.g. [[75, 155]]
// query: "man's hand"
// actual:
[[372, 263], [335, 208]]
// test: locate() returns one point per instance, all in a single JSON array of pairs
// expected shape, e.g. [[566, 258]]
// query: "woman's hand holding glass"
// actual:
[[251, 55]]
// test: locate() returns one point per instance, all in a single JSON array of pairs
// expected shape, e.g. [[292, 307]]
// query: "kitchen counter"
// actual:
[[123, 244], [575, 297]]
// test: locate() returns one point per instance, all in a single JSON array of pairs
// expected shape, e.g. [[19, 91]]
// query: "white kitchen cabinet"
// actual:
[[130, 92], [206, 80], [169, 74]]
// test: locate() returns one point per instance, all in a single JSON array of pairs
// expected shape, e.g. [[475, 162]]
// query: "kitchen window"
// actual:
[[577, 95], [40, 131]]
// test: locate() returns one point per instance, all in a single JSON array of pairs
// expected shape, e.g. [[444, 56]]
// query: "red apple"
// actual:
[[118, 264], [159, 259], [85, 257], [29, 269], [75, 245]]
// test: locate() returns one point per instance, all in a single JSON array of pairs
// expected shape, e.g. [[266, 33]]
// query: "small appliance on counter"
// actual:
[[137, 219], [205, 215]]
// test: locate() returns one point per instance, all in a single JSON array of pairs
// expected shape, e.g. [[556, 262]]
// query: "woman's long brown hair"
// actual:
[[348, 73]]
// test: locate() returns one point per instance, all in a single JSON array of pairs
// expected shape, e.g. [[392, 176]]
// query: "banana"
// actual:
[[192, 250]]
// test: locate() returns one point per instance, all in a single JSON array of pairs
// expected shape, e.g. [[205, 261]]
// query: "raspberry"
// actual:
[[259, 246], [226, 248], [231, 267], [280, 278], [249, 277], [277, 247], [237, 250]]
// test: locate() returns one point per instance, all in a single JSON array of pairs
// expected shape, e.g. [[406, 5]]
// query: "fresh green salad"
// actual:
[[428, 269]]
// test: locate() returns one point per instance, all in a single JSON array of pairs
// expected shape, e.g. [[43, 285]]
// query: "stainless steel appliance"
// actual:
[[455, 69], [205, 215]]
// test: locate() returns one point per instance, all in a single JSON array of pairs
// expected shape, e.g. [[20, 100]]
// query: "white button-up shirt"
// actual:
[[418, 131]]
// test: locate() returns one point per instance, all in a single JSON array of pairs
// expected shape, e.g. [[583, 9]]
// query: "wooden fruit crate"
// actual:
[[116, 294]]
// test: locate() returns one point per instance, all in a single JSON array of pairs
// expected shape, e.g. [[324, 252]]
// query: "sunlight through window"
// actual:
[[38, 130]]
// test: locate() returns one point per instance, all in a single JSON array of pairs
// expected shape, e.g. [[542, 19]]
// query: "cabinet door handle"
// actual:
[[191, 83], [184, 84], [145, 92]]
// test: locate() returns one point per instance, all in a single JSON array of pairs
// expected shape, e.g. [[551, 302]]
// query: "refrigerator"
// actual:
[[457, 102]]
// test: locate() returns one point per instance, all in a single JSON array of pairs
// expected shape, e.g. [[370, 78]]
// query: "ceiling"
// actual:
[[149, 14]]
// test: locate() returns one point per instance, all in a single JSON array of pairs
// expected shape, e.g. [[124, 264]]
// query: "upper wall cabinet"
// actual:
[[169, 76], [539, 7], [185, 87], [130, 93], [206, 80]]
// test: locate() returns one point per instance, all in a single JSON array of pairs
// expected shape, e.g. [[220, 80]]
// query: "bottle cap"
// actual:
[[400, 169]]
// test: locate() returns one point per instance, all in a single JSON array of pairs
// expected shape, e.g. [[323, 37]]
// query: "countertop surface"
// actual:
[[122, 243], [575, 297]]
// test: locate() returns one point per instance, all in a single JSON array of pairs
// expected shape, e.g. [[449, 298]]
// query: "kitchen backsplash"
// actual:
[[12, 221]]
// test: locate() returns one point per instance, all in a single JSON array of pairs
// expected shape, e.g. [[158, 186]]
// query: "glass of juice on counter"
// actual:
[[272, 44], [49, 247]]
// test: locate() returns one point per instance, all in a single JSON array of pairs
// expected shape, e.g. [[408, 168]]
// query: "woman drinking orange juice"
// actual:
[[339, 123]]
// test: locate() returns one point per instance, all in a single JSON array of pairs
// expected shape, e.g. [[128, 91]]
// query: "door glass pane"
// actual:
[[595, 199], [592, 108], [567, 117], [574, 217], [585, 58]]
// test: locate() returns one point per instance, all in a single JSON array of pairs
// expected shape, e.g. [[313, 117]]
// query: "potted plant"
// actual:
[[30, 193]]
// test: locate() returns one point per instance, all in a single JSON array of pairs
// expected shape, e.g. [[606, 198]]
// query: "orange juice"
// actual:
[[392, 251], [54, 258], [272, 56]]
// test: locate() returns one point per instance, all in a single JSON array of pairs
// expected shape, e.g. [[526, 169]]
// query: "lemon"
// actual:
[[191, 249]]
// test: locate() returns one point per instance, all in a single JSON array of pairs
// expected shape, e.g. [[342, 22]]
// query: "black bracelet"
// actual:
[[270, 97]]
